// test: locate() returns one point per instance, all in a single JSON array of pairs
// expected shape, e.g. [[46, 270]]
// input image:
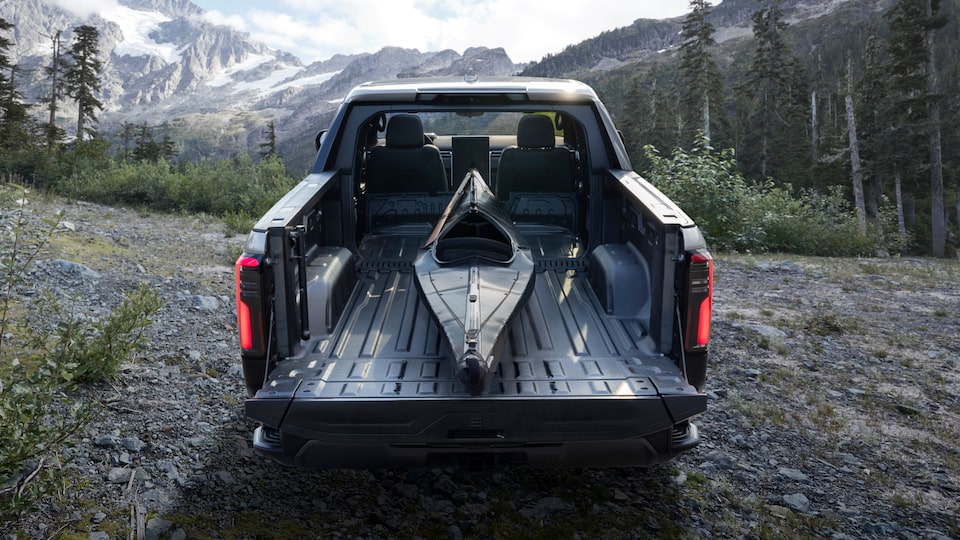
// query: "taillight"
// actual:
[[245, 321], [699, 300]]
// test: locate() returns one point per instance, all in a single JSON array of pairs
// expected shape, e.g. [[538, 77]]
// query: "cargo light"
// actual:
[[243, 310], [706, 305]]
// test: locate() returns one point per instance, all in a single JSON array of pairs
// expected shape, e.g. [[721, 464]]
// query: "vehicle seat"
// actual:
[[405, 163], [535, 164]]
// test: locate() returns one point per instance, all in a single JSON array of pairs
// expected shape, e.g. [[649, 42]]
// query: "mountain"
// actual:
[[216, 89], [648, 39], [214, 86]]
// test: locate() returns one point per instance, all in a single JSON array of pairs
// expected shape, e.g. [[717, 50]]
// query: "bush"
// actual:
[[737, 215], [95, 350], [212, 187], [39, 413], [38, 418]]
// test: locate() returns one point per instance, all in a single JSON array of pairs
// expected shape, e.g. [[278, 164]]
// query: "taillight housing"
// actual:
[[699, 306], [250, 305]]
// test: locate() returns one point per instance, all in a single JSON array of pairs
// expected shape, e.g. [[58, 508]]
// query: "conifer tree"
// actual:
[[700, 81], [55, 71], [775, 88], [15, 122], [83, 78], [912, 76], [268, 148]]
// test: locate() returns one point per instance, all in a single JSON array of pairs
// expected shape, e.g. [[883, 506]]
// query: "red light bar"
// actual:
[[243, 311]]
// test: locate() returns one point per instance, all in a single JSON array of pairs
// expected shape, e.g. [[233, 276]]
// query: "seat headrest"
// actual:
[[535, 131], [405, 131]]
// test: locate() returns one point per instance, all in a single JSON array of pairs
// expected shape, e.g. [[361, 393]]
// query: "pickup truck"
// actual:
[[472, 275]]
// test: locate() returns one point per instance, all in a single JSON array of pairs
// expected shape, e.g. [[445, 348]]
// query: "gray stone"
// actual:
[[545, 508], [80, 270], [793, 474], [798, 502], [206, 303], [722, 461], [118, 475], [132, 444], [105, 441], [156, 527], [97, 535], [224, 477]]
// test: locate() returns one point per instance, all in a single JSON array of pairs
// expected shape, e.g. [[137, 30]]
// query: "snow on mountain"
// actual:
[[136, 28], [165, 63]]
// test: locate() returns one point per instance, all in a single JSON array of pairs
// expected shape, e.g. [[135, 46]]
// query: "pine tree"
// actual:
[[699, 78], [268, 148], [145, 148], [913, 84], [55, 71], [775, 130], [83, 78], [15, 123]]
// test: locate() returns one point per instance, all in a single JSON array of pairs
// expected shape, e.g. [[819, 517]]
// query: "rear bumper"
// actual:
[[639, 452], [540, 433]]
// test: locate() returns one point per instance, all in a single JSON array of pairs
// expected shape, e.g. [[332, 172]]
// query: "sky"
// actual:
[[528, 30]]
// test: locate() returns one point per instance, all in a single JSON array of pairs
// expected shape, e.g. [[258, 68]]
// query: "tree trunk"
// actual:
[[938, 225], [706, 115], [855, 171], [55, 74], [901, 224], [814, 134]]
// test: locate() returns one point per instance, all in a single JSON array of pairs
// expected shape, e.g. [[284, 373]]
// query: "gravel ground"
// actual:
[[834, 412]]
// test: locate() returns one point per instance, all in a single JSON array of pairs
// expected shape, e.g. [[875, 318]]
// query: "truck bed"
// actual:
[[562, 344]]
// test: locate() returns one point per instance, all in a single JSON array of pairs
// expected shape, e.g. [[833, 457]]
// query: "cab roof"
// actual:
[[510, 88]]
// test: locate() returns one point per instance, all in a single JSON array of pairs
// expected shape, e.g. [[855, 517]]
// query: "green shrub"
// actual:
[[737, 215], [39, 410], [38, 418], [212, 187], [97, 349]]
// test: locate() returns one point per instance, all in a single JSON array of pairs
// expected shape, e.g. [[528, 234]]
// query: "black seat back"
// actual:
[[405, 163], [535, 164]]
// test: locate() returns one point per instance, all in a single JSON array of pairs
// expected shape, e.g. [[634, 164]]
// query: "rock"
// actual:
[[156, 527], [79, 270], [224, 477], [545, 508], [793, 474], [454, 533], [119, 475], [769, 332], [798, 502], [132, 444], [206, 303], [97, 535], [722, 461], [105, 441]]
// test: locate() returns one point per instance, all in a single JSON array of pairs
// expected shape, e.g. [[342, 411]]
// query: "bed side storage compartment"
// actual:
[[621, 280], [331, 277]]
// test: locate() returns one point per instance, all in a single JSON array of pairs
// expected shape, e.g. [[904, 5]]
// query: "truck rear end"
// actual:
[[348, 363]]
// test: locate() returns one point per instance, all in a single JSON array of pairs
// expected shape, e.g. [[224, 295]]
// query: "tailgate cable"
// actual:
[[266, 358], [683, 354]]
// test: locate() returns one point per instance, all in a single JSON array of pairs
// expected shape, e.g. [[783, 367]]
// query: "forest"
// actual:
[[865, 103]]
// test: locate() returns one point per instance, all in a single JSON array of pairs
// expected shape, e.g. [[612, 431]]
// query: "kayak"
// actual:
[[475, 272]]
